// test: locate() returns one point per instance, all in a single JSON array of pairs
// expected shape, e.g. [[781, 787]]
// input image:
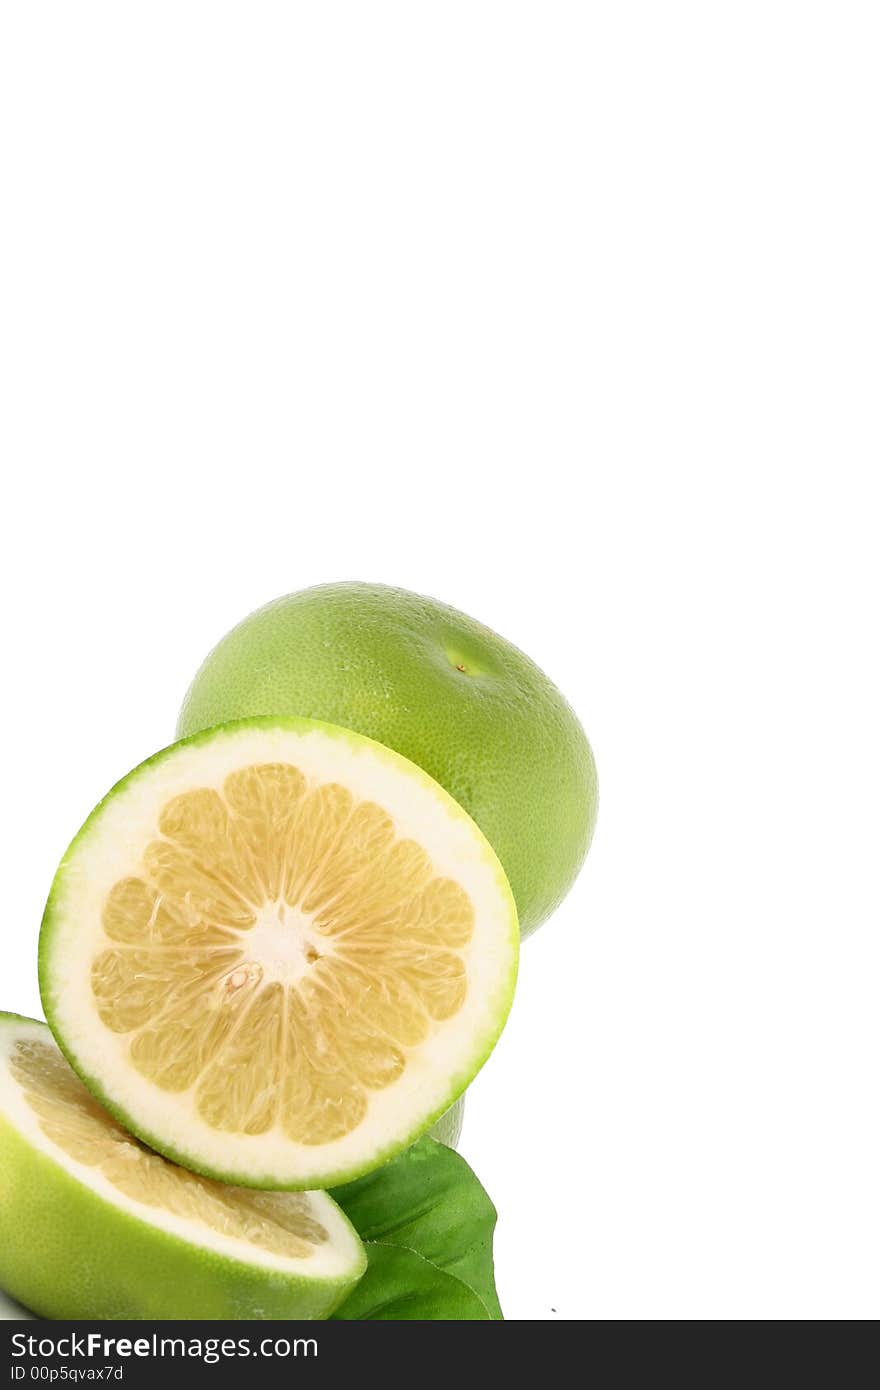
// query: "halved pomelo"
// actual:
[[93, 1225], [277, 952]]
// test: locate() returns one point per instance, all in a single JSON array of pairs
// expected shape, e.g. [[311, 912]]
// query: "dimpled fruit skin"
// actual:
[[497, 734]]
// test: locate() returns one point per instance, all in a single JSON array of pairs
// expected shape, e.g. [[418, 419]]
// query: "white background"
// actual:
[[568, 315]]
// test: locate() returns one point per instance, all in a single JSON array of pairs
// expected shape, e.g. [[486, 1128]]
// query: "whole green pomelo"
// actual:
[[438, 687]]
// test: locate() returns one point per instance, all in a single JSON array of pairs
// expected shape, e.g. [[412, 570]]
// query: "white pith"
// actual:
[[338, 1257], [111, 849], [280, 941]]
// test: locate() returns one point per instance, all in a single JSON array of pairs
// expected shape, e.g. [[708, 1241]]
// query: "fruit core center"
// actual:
[[282, 942]]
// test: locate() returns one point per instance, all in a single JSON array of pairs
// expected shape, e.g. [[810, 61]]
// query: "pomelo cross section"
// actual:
[[440, 688], [278, 952], [93, 1225]]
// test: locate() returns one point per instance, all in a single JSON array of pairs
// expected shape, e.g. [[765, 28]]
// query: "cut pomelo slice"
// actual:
[[93, 1225], [277, 952]]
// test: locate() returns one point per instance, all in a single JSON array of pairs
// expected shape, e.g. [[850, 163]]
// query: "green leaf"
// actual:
[[427, 1226], [400, 1285]]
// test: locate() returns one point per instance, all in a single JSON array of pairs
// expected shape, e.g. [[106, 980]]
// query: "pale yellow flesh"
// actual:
[[280, 1222], [282, 953]]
